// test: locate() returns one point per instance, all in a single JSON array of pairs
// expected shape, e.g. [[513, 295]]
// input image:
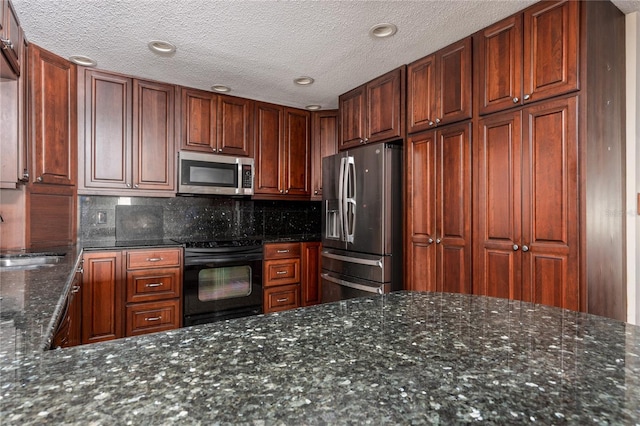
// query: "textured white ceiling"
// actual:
[[258, 47]]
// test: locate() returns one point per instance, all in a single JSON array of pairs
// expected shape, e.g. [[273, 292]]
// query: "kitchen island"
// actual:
[[398, 359]]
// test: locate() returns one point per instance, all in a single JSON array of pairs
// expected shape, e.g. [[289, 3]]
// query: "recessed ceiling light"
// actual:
[[303, 81], [159, 46], [313, 107], [220, 88], [383, 30], [82, 60]]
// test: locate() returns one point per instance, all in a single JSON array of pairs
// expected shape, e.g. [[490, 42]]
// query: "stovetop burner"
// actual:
[[219, 243]]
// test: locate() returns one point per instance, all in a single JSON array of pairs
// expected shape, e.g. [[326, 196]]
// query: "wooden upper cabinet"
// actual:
[[385, 101], [129, 138], [11, 31], [269, 127], [153, 136], [439, 87], [352, 117], [107, 130], [324, 142], [216, 123], [551, 34], [235, 126], [296, 151], [500, 65], [529, 56], [199, 120], [53, 129]]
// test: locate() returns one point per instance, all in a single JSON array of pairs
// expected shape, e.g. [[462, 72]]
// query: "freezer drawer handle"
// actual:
[[366, 288], [377, 263]]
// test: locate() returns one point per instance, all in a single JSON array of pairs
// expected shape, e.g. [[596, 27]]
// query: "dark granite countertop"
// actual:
[[403, 358]]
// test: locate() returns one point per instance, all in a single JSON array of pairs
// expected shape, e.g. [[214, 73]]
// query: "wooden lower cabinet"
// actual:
[[439, 210], [291, 275], [68, 332], [526, 229], [131, 292]]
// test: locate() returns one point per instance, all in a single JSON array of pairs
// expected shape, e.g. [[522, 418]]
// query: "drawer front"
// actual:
[[281, 250], [278, 272], [281, 298], [139, 259], [153, 284], [151, 317]]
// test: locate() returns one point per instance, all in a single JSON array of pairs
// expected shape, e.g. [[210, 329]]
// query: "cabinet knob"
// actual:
[[437, 121], [526, 97], [128, 185], [438, 240], [430, 240], [515, 247], [135, 186], [6, 43], [286, 191], [516, 100], [25, 176], [431, 123], [525, 248], [219, 149], [282, 191], [315, 192], [39, 179]]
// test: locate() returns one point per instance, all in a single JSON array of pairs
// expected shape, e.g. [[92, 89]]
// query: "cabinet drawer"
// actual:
[[151, 317], [138, 259], [153, 284], [278, 272], [281, 298], [281, 250]]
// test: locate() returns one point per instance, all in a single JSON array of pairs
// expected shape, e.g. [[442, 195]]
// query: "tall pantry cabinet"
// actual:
[[547, 164], [548, 158]]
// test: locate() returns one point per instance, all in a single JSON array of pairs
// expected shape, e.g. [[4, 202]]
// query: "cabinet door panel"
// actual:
[[384, 100], [153, 136], [454, 82], [235, 126], [102, 295], [269, 126], [352, 118], [51, 205], [453, 204], [500, 65], [54, 107], [498, 213], [324, 142], [421, 94], [296, 151], [551, 33], [550, 196], [420, 160], [107, 130], [199, 117]]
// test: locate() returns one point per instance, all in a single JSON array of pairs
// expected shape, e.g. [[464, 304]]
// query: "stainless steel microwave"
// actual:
[[200, 173]]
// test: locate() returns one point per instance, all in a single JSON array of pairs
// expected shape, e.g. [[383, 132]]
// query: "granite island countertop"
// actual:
[[392, 359]]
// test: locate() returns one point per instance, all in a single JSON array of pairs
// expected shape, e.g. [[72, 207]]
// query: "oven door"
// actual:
[[221, 289]]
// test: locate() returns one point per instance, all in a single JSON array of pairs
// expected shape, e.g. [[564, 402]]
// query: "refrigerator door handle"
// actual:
[[341, 195], [338, 281], [368, 262], [350, 199]]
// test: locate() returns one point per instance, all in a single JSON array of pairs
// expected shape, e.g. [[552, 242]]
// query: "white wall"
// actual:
[[633, 166]]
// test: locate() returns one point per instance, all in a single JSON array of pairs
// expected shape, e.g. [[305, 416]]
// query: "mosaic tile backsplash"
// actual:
[[194, 218]]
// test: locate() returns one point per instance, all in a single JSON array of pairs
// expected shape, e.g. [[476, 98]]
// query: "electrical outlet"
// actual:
[[101, 218]]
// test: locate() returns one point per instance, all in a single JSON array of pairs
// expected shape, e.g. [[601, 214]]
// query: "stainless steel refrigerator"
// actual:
[[362, 222]]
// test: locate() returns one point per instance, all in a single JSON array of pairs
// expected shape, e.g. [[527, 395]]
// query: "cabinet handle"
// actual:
[[526, 97], [430, 240], [153, 285], [282, 191], [128, 185], [282, 300], [286, 191], [431, 123], [39, 178], [315, 192], [153, 319], [515, 247], [80, 270], [438, 240], [6, 43], [75, 289], [525, 248], [437, 121], [154, 259], [516, 100], [135, 186], [281, 272], [283, 251], [25, 176]]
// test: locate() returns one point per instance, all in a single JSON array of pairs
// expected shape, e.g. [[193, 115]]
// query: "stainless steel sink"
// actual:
[[20, 262]]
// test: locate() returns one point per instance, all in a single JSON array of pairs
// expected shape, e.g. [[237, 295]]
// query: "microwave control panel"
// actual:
[[247, 176]]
